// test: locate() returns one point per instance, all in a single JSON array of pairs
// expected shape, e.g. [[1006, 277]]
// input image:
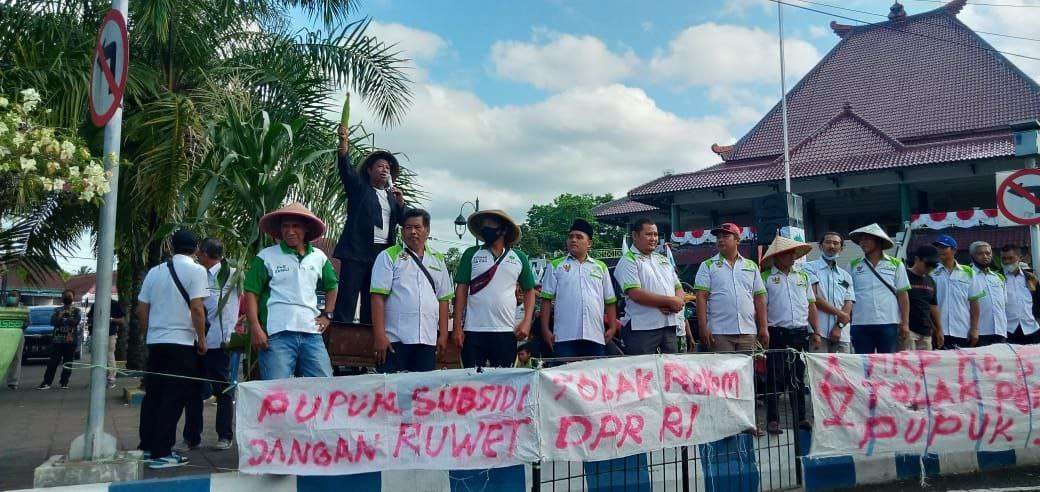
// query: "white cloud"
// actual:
[[418, 45], [819, 32], [744, 106], [710, 53], [563, 62], [587, 140], [740, 7], [1008, 20]]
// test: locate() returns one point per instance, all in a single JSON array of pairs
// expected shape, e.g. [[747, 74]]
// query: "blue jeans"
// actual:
[[293, 353], [868, 339], [579, 348]]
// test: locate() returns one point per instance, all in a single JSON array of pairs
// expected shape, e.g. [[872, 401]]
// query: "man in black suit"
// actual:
[[374, 209]]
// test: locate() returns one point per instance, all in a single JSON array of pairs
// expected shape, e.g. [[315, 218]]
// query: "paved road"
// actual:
[[1008, 480], [39, 424]]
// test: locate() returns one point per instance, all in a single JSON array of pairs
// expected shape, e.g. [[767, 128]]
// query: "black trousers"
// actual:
[[985, 340], [60, 354], [411, 357], [166, 397], [1016, 337], [215, 365], [786, 373], [355, 278], [489, 349]]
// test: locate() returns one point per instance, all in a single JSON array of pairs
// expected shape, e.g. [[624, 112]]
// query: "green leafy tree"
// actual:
[[545, 232], [195, 64], [452, 258]]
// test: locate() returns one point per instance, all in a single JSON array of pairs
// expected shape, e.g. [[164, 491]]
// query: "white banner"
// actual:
[[456, 419], [610, 408], [981, 399]]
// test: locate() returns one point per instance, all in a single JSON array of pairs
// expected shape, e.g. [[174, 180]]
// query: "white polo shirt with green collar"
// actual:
[[875, 304], [731, 294], [955, 289], [653, 273], [412, 304], [580, 292], [287, 284], [493, 308], [788, 296]]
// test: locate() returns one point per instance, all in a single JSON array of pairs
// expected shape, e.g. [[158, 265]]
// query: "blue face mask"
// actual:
[[828, 257]]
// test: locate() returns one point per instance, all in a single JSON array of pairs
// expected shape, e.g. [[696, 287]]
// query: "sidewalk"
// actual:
[[39, 424]]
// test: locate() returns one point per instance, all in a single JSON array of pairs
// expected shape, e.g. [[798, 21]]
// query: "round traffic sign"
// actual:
[[1018, 197], [109, 68]]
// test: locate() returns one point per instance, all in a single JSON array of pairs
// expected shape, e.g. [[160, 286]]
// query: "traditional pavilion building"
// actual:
[[902, 121]]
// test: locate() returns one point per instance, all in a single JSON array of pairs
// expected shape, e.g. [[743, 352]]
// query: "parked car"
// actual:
[[38, 334]]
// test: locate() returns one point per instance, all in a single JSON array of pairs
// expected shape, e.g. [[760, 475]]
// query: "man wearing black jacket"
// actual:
[[374, 209]]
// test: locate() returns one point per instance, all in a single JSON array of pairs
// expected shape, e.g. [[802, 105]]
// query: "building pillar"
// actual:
[[904, 203], [674, 218]]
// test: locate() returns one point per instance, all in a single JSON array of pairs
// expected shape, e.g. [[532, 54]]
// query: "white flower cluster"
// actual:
[[44, 159]]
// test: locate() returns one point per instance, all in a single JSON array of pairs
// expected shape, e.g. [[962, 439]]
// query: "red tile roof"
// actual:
[[622, 206], [923, 89]]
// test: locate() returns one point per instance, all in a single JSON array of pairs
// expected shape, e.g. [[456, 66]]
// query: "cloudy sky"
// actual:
[[517, 102]]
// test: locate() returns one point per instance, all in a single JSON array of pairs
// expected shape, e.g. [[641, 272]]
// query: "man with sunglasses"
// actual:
[[958, 292]]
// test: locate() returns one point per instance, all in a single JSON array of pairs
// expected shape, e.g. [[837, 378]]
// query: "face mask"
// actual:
[[828, 257], [489, 234], [67, 300], [1010, 269]]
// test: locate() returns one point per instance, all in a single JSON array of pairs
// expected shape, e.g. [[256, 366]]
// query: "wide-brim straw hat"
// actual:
[[512, 235], [271, 223], [782, 244], [395, 167], [872, 230]]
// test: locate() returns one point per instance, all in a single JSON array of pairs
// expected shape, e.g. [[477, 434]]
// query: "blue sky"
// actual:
[[517, 102]]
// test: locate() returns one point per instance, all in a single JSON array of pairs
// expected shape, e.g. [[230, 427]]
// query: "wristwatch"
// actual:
[[327, 315]]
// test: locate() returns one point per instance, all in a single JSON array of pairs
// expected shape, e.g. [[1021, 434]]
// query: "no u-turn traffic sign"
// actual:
[[109, 69], [1018, 196]]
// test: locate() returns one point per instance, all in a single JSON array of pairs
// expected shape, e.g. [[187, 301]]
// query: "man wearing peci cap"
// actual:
[[957, 289], [654, 296], [170, 308], [834, 295], [791, 315], [281, 299], [374, 209], [731, 297], [993, 306], [485, 293], [578, 293], [880, 317]]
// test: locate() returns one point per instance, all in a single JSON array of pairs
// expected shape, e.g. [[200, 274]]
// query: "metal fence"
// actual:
[[744, 462]]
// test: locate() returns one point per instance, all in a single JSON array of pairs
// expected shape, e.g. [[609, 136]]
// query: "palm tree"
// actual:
[[192, 60]]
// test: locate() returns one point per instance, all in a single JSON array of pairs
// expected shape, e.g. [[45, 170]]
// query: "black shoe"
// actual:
[[43, 386]]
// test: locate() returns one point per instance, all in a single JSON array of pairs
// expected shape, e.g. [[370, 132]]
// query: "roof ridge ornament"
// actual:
[[896, 12], [841, 30], [955, 6], [723, 151]]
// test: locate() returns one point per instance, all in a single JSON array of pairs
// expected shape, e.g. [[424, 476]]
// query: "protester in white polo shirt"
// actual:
[[485, 294], [175, 330], [993, 321], [222, 302], [791, 314], [653, 294], [1021, 300], [578, 294], [410, 289], [281, 296], [834, 295], [958, 291], [881, 315], [731, 298]]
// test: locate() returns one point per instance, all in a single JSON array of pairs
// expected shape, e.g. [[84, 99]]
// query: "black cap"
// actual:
[[927, 253], [183, 240], [581, 225]]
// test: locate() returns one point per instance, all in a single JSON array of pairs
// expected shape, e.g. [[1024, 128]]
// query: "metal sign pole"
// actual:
[[97, 445]]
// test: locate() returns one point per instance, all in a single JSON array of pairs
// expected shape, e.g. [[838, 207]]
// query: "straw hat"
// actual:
[[872, 230], [512, 235], [782, 245], [272, 222]]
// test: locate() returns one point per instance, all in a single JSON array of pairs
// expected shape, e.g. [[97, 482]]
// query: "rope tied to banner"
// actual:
[[79, 366]]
